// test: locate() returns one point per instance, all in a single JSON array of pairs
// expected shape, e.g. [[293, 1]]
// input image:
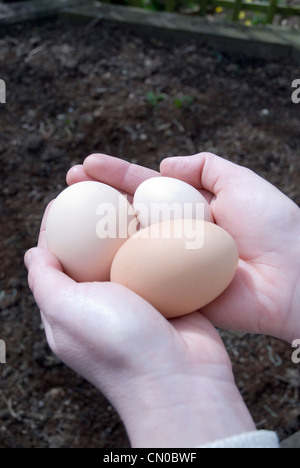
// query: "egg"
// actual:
[[164, 198], [86, 225], [178, 266]]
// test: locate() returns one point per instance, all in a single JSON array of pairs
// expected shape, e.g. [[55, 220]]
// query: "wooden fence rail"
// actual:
[[269, 7]]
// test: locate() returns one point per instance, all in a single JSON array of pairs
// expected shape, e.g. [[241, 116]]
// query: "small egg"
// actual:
[[165, 198], [177, 266], [86, 225]]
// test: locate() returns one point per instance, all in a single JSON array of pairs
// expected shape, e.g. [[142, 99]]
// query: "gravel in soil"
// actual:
[[72, 91]]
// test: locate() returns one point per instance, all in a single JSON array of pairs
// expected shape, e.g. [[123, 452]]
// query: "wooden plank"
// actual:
[[288, 11], [268, 43], [237, 9], [170, 6], [262, 6], [203, 7], [259, 7], [23, 11], [271, 11], [139, 3]]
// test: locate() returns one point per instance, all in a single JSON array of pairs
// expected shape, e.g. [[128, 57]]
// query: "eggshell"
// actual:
[[164, 198], [172, 275], [86, 225]]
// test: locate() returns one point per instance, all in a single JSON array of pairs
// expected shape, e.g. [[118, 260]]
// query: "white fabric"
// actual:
[[257, 439]]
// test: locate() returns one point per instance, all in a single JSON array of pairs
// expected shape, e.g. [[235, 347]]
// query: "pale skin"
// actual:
[[171, 381]]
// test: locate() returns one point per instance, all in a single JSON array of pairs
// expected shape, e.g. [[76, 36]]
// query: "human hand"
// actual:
[[265, 293], [170, 381], [120, 174]]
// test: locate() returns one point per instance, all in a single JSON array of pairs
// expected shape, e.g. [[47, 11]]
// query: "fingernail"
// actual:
[[27, 259]]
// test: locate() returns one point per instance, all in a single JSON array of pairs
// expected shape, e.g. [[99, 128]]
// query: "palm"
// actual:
[[261, 220], [134, 325], [87, 323], [256, 299]]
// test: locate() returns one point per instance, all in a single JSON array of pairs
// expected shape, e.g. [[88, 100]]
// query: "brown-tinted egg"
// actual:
[[177, 266]]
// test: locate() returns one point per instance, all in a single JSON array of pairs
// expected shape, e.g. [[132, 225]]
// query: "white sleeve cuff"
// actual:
[[256, 439]]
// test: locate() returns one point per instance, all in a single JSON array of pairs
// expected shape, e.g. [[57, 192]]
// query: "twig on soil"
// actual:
[[34, 52], [276, 360], [46, 133], [178, 125], [69, 132], [8, 402], [270, 411], [261, 423]]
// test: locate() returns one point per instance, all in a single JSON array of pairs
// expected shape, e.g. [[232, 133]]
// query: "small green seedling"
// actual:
[[154, 98], [183, 101]]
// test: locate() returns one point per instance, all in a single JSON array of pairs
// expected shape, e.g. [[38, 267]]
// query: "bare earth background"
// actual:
[[75, 90]]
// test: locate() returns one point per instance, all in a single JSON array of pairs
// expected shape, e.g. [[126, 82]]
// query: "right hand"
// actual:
[[264, 296]]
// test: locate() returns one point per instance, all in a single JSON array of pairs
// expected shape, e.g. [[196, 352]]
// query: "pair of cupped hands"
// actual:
[[171, 380]]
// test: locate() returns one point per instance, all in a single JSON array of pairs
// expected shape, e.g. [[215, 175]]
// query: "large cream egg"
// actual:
[[177, 266], [86, 225], [164, 198]]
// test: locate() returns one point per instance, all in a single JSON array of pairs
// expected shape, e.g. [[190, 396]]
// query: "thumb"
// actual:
[[202, 171], [46, 278]]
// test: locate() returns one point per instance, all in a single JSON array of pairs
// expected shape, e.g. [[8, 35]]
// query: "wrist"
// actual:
[[184, 410]]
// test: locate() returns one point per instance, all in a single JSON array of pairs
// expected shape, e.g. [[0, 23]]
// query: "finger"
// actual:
[[48, 331], [116, 172], [44, 219], [203, 171], [107, 313], [46, 279], [77, 174], [42, 241], [42, 235]]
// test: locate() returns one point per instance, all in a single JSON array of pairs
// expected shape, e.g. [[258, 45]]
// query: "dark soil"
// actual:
[[73, 90]]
